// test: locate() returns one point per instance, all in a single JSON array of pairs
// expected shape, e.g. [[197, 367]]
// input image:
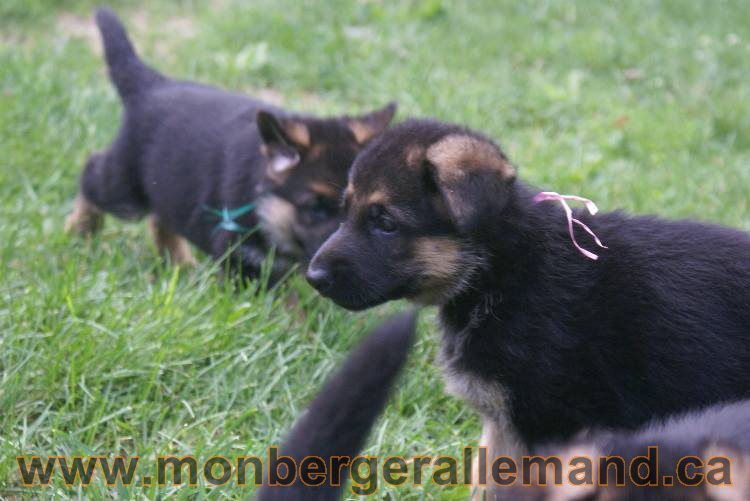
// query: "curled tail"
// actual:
[[340, 418], [128, 73]]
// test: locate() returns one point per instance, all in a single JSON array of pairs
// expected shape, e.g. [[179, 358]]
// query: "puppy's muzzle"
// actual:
[[320, 277], [324, 268]]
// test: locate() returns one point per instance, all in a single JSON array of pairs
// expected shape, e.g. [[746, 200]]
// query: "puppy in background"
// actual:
[[544, 337], [210, 167]]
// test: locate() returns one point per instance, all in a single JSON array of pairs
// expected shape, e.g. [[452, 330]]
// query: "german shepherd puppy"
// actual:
[[341, 416], [210, 166], [543, 341]]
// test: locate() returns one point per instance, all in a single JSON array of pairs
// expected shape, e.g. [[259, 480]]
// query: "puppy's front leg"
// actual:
[[479, 492], [86, 219], [501, 440], [171, 244]]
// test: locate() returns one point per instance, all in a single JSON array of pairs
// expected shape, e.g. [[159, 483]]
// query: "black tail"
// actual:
[[339, 420], [127, 72]]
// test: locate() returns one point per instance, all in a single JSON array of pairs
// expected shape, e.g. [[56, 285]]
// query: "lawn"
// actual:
[[640, 105]]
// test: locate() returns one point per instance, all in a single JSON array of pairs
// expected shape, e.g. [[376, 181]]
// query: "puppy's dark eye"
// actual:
[[380, 219]]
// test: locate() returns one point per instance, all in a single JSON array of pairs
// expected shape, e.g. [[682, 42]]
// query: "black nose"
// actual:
[[319, 277]]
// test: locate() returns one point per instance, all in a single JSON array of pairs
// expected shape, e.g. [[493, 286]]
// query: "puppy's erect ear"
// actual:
[[370, 125], [282, 141], [470, 173]]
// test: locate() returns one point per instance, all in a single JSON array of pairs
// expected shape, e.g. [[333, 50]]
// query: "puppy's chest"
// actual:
[[488, 395], [464, 365], [490, 398]]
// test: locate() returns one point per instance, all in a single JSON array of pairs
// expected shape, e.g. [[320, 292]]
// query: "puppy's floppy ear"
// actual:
[[282, 141], [370, 125], [471, 175]]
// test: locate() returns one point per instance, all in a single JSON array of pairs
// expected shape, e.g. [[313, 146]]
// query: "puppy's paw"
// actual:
[[185, 258]]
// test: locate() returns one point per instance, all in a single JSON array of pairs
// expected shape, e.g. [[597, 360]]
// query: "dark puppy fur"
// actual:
[[721, 431], [341, 416], [543, 341], [184, 148], [338, 421]]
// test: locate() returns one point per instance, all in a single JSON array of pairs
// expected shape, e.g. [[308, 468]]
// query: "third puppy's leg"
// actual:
[[170, 243]]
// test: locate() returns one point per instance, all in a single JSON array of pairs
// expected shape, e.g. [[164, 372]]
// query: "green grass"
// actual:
[[640, 105]]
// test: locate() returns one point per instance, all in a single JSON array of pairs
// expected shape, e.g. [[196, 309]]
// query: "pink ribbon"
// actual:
[[590, 206]]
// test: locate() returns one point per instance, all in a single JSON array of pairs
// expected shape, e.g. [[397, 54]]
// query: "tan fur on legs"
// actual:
[[171, 244], [85, 219], [478, 491]]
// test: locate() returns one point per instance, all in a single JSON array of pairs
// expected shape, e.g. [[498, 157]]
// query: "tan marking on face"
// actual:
[[277, 219], [85, 219], [438, 256], [324, 189], [414, 155], [170, 244], [456, 154], [377, 197], [298, 132], [443, 267], [438, 263], [359, 201]]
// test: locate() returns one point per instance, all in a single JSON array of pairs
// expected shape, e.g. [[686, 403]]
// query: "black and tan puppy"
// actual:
[[210, 166], [542, 340]]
